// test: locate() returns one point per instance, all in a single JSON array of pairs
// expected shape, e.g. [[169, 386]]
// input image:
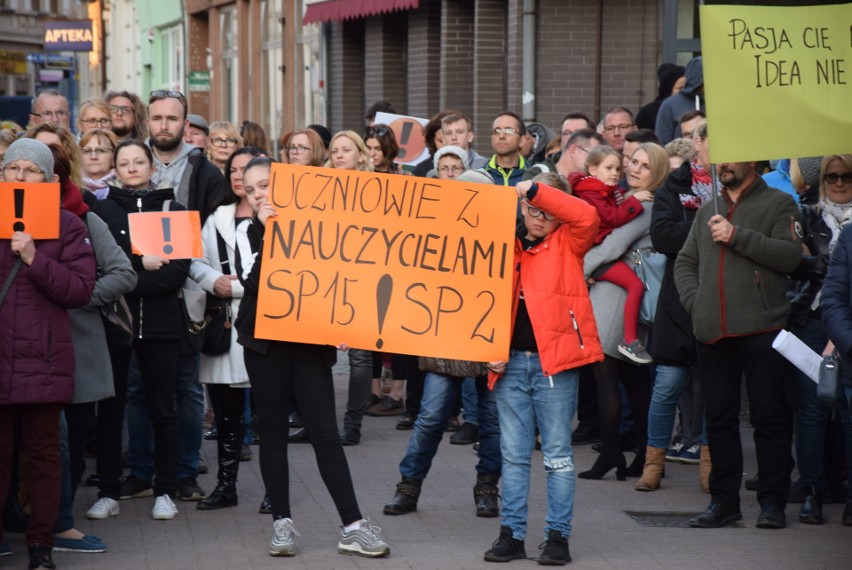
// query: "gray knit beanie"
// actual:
[[35, 151], [809, 167]]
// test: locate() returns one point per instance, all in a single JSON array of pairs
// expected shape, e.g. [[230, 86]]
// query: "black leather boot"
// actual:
[[811, 511], [485, 495], [405, 499], [229, 445]]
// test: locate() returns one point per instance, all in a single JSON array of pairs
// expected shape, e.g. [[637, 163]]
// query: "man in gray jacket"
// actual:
[[731, 278]]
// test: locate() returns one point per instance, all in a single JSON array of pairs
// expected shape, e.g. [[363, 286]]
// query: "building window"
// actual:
[[172, 57], [681, 31], [270, 67], [230, 64]]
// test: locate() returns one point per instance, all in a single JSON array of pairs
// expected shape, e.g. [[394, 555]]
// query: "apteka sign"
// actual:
[[68, 36]]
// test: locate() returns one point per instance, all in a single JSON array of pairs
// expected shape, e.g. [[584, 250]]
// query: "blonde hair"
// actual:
[[599, 153], [846, 159], [98, 104], [658, 160], [70, 144], [230, 130], [365, 165], [681, 147]]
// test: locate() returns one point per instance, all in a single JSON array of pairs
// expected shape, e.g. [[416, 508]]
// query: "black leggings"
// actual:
[[635, 379], [298, 372]]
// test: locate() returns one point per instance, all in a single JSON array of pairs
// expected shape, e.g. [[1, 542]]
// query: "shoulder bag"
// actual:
[[830, 388], [217, 313], [650, 266]]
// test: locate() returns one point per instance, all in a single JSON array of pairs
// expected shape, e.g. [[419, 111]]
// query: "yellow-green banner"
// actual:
[[778, 81]]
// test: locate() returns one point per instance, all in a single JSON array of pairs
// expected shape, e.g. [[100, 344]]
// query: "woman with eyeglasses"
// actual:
[[383, 148], [305, 148], [157, 312], [98, 147], [45, 278], [223, 141], [819, 316], [225, 374], [94, 114]]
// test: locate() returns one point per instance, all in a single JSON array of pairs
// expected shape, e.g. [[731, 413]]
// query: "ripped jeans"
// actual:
[[526, 398]]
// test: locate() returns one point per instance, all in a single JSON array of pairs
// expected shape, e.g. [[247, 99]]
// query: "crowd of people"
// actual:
[[645, 290]]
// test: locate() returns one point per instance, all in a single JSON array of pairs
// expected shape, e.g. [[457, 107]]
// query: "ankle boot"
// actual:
[[637, 466], [704, 467], [655, 460], [603, 464], [405, 499], [485, 495], [229, 445], [811, 511]]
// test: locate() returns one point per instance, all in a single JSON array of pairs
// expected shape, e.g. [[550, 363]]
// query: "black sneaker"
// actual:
[[505, 548], [554, 550], [189, 490], [133, 487], [245, 453], [771, 517]]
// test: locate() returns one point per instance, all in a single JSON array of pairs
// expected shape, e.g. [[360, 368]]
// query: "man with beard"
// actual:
[[127, 114], [731, 277], [200, 186]]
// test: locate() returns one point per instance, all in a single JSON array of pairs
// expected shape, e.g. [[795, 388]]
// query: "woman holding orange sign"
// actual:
[[156, 309]]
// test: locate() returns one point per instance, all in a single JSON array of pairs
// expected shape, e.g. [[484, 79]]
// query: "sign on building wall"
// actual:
[[777, 80], [68, 36], [198, 80]]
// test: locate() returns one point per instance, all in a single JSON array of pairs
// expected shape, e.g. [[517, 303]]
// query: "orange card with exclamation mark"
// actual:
[[28, 207], [171, 235]]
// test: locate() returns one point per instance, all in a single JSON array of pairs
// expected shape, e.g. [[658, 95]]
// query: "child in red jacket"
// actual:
[[600, 189]]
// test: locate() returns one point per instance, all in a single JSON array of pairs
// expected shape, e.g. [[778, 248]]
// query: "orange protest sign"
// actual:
[[408, 132], [171, 235], [397, 263], [31, 208]]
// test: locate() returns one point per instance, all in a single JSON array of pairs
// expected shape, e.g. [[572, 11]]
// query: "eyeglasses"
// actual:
[[377, 130], [120, 110], [622, 127], [96, 122], [298, 149], [14, 172], [578, 147], [166, 94], [538, 213], [508, 131], [219, 141], [833, 178], [53, 115], [449, 169], [102, 150]]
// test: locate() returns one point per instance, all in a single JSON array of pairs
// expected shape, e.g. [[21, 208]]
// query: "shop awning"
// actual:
[[335, 10]]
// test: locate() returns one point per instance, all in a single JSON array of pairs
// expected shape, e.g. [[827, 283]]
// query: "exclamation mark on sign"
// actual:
[[19, 209], [383, 297], [403, 138], [167, 235]]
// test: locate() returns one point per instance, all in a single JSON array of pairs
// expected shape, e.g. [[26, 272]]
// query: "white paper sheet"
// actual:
[[797, 352]]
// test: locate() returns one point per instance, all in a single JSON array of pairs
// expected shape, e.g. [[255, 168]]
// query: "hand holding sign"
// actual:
[[30, 207], [167, 235]]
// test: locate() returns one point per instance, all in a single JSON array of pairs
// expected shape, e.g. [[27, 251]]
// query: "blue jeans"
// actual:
[[526, 398], [812, 415], [469, 406], [439, 399], [668, 386], [190, 416], [248, 425]]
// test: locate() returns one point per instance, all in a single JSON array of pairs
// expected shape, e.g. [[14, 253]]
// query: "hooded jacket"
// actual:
[[667, 76], [555, 291], [689, 98]]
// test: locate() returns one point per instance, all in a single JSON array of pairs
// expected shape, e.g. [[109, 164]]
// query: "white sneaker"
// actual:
[[366, 540], [282, 538], [164, 509], [103, 509]]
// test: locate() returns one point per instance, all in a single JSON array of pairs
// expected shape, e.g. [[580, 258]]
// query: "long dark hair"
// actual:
[[230, 197]]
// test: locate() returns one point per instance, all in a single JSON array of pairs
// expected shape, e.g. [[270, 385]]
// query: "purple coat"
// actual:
[[36, 353]]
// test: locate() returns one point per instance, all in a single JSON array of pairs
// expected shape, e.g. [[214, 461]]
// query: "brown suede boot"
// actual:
[[704, 467], [655, 459]]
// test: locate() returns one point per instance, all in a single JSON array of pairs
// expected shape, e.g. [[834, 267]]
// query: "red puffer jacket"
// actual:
[[36, 354], [556, 294]]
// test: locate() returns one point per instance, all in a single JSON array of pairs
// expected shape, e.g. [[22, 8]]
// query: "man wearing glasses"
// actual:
[[128, 115], [50, 106], [507, 166], [618, 121]]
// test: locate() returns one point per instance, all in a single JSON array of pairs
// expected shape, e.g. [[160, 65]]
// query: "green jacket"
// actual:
[[739, 288]]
